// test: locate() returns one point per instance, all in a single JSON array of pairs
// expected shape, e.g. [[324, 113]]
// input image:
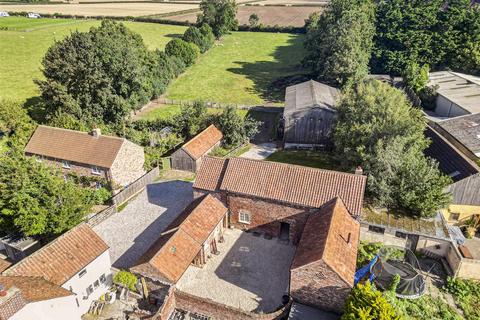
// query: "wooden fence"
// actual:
[[123, 196]]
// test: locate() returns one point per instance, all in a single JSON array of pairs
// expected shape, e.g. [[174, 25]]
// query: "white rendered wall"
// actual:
[[64, 308], [78, 285]]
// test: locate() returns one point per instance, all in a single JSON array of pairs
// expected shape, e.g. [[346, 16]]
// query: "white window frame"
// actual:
[[244, 216], [66, 164], [96, 170]]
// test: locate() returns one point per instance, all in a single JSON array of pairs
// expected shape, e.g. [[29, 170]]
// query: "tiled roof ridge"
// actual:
[[195, 138], [82, 132]]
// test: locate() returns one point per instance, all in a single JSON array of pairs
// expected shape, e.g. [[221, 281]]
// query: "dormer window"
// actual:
[[96, 170], [65, 164]]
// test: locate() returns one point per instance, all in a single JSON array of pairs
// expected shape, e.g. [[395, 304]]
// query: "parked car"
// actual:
[[33, 15], [4, 14]]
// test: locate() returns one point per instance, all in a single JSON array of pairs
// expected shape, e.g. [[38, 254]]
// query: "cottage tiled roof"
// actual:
[[308, 95], [169, 257], [34, 289], [62, 258], [202, 142], [330, 235], [4, 264], [287, 183], [74, 146]]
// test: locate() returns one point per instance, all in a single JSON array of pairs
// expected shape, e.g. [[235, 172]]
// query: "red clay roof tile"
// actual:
[[202, 142], [34, 289]]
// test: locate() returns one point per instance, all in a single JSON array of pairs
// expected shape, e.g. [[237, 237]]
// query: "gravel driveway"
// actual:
[[130, 232], [260, 151]]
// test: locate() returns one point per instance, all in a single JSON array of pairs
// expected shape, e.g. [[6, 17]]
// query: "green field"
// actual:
[[21, 52], [168, 112], [242, 69]]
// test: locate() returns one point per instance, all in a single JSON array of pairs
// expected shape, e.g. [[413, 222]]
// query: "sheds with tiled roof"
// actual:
[[169, 257], [281, 182], [331, 235], [466, 191], [34, 289], [4, 264], [210, 175], [74, 146], [62, 258], [189, 156]]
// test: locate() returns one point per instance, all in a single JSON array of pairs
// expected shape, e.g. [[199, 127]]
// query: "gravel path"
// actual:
[[130, 232]]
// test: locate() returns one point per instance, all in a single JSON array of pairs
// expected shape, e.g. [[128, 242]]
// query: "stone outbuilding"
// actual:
[[309, 114], [323, 269], [189, 156], [117, 160]]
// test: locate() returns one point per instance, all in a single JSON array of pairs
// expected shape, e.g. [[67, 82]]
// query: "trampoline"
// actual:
[[396, 260]]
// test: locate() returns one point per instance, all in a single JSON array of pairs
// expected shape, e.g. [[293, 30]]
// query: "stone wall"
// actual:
[[128, 165], [385, 238], [317, 285]]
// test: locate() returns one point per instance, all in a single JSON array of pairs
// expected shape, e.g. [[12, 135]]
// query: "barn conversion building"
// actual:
[[189, 156], [309, 114]]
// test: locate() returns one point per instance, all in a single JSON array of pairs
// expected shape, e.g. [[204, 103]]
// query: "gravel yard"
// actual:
[[130, 232], [251, 273]]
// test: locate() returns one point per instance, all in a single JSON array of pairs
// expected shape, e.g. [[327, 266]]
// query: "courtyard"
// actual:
[[250, 272], [130, 232]]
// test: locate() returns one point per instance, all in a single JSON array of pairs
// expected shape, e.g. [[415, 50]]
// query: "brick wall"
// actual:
[[168, 306], [128, 165], [319, 286], [218, 311], [11, 304], [266, 216]]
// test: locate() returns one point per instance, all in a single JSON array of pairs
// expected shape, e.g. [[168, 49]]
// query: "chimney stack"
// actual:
[[359, 170], [96, 132]]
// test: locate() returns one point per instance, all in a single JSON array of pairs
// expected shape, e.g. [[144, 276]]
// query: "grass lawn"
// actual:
[[322, 160], [21, 52], [241, 69], [169, 111]]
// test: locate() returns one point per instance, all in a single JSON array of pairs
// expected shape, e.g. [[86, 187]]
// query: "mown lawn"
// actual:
[[169, 111], [321, 160], [242, 69], [21, 52]]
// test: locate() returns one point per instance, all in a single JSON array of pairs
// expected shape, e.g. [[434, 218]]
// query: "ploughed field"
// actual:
[[25, 42]]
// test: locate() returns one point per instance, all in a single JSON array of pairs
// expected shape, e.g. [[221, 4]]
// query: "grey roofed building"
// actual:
[[309, 113], [464, 133], [458, 93], [450, 160], [466, 191]]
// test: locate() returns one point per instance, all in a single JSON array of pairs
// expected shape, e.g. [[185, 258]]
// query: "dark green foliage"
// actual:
[[416, 77], [192, 119], [426, 307], [339, 42], [153, 154], [185, 51], [196, 36], [378, 129], [35, 199], [235, 129], [367, 303], [15, 123], [220, 15], [467, 296], [125, 278], [207, 32], [367, 251], [428, 96], [253, 20], [100, 75]]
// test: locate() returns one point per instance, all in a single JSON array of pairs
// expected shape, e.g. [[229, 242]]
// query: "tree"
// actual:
[[220, 15], [35, 200], [416, 77], [126, 279], [98, 75], [378, 129], [15, 123], [202, 37], [187, 52], [192, 119], [253, 20], [367, 303], [339, 42], [235, 129]]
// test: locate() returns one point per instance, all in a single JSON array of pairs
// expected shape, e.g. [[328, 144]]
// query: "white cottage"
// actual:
[[77, 261]]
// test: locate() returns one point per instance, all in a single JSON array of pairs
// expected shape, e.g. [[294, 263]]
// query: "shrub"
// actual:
[[366, 252], [126, 279], [253, 20], [195, 36], [207, 32], [235, 129], [186, 52]]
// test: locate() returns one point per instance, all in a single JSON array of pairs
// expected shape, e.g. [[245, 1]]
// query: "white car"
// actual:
[[4, 14], [33, 15]]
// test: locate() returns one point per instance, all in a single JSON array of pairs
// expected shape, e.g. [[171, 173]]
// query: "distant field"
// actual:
[[270, 16], [21, 52], [102, 9], [242, 70]]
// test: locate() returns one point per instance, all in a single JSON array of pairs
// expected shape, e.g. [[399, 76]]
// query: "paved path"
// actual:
[[130, 232], [260, 151]]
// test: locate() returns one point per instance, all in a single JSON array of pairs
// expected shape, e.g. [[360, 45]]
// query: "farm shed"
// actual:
[[189, 156], [309, 114]]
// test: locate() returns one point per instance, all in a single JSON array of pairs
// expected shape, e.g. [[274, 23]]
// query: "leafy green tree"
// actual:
[[126, 279], [192, 119], [378, 129], [367, 303], [207, 32], [236, 130], [102, 74], [35, 199], [187, 52], [15, 123], [339, 42], [416, 77], [202, 41], [253, 20], [220, 15]]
